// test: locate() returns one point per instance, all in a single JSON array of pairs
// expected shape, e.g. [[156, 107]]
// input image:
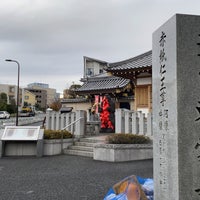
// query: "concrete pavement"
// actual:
[[64, 177]]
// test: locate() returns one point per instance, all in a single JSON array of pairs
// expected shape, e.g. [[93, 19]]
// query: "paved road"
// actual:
[[63, 177], [22, 121]]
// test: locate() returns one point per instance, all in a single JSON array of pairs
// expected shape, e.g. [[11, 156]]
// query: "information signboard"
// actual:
[[21, 133]]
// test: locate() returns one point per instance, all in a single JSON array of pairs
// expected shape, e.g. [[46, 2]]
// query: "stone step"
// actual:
[[84, 147], [86, 144], [81, 148], [78, 153], [88, 140], [92, 140]]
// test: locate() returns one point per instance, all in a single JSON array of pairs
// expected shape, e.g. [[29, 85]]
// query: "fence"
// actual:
[[127, 121], [73, 121]]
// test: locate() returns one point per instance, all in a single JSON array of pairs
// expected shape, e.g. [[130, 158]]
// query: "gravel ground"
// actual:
[[64, 177]]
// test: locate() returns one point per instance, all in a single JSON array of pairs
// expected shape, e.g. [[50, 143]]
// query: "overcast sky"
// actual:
[[50, 37]]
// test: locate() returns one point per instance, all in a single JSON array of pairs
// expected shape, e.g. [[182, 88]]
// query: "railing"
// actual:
[[73, 122], [127, 121]]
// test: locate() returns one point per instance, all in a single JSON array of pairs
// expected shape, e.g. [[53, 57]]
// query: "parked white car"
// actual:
[[4, 115]]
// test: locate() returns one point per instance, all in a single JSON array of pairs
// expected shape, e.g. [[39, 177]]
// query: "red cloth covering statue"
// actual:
[[107, 116]]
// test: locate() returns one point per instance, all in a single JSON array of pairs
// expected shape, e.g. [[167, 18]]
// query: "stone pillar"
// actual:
[[62, 123], [119, 121], [176, 109], [81, 124], [149, 125], [40, 142], [127, 121], [48, 119], [67, 121], [73, 118], [58, 120], [135, 123], [53, 120], [141, 123]]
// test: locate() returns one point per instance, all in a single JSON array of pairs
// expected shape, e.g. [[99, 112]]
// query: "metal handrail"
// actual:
[[65, 128], [72, 123]]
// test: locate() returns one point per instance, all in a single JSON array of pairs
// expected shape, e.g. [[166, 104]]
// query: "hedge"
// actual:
[[122, 138], [57, 134]]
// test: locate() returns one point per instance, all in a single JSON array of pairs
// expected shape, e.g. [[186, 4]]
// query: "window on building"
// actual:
[[11, 89], [26, 97], [100, 71], [90, 72], [11, 98]]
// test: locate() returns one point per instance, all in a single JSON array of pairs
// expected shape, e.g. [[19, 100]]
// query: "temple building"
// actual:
[[139, 71], [128, 82]]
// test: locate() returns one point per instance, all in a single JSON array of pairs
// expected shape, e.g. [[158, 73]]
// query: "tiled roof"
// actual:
[[102, 84], [101, 75], [66, 109], [141, 61], [77, 100]]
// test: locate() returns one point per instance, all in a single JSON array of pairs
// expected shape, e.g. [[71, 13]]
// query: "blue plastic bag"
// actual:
[[147, 187], [131, 188]]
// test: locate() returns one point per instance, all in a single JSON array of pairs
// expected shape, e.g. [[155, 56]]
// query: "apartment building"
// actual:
[[50, 92], [29, 98], [40, 95], [11, 91]]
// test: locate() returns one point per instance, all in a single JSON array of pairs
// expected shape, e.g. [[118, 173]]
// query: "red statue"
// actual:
[[107, 117]]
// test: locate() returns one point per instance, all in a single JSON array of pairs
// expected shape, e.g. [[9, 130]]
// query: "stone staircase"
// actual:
[[84, 146]]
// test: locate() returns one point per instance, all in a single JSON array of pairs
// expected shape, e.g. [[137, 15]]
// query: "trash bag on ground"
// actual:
[[147, 186], [131, 188]]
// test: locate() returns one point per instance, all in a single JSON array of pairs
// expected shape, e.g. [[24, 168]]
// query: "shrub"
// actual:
[[57, 134], [122, 138]]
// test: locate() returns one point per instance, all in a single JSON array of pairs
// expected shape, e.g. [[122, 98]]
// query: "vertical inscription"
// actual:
[[197, 191], [198, 43], [198, 109], [197, 150], [163, 114], [162, 60], [197, 145]]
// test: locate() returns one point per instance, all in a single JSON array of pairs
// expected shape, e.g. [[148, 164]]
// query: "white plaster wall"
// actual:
[[144, 81], [78, 106]]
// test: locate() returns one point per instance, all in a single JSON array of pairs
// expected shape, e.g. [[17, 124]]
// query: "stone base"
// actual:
[[92, 127], [122, 152], [20, 148], [53, 147], [33, 148]]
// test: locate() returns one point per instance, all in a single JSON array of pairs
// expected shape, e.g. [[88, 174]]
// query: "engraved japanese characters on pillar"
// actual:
[[197, 144], [197, 155], [197, 150], [198, 109], [198, 43], [162, 58], [163, 113]]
